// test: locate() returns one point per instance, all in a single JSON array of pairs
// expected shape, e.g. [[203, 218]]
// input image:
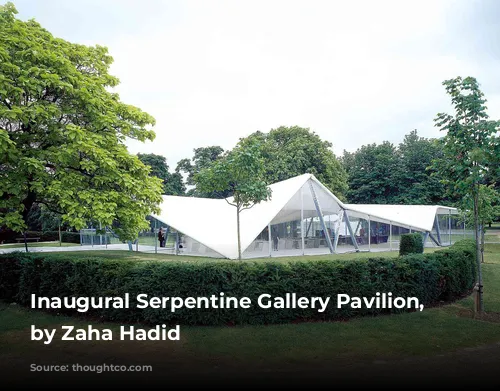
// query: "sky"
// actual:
[[354, 72]]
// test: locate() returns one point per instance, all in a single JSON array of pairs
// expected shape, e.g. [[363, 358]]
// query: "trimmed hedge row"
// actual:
[[440, 276], [411, 244]]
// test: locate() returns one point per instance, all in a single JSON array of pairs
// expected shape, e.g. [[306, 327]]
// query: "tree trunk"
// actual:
[[28, 204], [478, 249], [238, 229], [482, 242], [25, 241]]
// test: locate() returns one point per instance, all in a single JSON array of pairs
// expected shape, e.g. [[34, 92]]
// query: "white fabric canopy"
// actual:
[[419, 217], [212, 222]]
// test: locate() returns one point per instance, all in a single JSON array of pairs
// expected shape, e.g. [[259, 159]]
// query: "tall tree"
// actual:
[[292, 151], [203, 158], [62, 134], [173, 183], [417, 180], [468, 145], [241, 173], [372, 171]]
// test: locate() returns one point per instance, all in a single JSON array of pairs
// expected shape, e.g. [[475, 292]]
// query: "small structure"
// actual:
[[303, 217]]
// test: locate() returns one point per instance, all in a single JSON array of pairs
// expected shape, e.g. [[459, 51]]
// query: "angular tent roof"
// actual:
[[420, 217], [212, 222]]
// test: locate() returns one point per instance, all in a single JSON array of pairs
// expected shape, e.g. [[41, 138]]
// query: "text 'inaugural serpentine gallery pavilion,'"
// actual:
[[302, 218]]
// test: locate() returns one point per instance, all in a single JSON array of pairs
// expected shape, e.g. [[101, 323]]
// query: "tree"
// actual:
[[203, 158], [417, 181], [488, 210], [172, 182], [386, 174], [468, 146], [372, 171], [62, 134], [292, 151], [241, 173]]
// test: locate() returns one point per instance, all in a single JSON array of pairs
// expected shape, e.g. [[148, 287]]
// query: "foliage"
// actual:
[[203, 158], [411, 244], [292, 151], [433, 277], [417, 180], [241, 173], [62, 134], [468, 147], [372, 170], [489, 205], [488, 210], [173, 183], [386, 174]]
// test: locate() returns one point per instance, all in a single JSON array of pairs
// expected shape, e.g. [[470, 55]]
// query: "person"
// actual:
[[275, 240], [161, 237]]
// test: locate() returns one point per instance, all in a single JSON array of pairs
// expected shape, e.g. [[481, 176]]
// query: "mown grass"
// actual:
[[38, 244]]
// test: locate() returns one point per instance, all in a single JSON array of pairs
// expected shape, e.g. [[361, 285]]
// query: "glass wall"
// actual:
[[297, 228], [259, 248]]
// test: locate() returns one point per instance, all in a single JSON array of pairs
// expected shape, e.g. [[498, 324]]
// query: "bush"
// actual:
[[442, 275], [411, 244]]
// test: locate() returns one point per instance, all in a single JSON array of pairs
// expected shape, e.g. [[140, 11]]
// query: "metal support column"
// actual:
[[302, 219], [309, 227], [438, 231], [337, 231], [320, 215], [449, 226], [270, 239], [390, 235], [426, 235], [353, 237], [434, 239], [156, 238], [176, 243], [369, 234]]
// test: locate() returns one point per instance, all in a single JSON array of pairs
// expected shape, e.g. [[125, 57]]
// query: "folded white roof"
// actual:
[[212, 222]]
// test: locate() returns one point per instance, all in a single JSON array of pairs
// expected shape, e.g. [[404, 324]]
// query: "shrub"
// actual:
[[411, 244], [442, 275]]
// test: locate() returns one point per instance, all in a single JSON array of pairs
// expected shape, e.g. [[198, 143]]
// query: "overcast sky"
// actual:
[[355, 72]]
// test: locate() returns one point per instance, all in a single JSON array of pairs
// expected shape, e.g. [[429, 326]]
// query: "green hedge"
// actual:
[[433, 277], [411, 244]]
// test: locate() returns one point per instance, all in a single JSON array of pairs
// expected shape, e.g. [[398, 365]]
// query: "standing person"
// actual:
[[275, 239], [161, 237]]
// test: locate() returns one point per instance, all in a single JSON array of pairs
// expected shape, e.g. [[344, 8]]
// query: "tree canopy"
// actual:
[[203, 158], [292, 151], [173, 183], [62, 134], [403, 174], [239, 173]]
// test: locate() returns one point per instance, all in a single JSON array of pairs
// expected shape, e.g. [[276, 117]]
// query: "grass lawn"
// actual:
[[420, 338], [37, 244]]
